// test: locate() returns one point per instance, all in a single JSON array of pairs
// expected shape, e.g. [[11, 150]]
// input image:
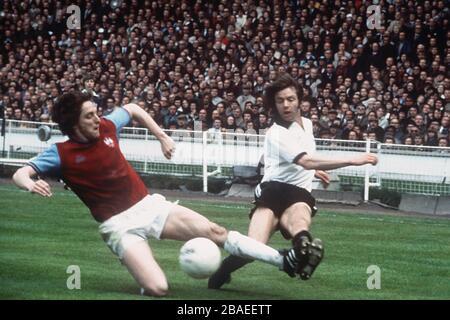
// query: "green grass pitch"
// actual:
[[40, 238]]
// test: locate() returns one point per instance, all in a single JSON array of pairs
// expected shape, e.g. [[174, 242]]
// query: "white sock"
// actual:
[[245, 247]]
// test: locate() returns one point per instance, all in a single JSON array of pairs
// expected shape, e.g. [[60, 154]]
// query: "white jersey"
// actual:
[[284, 145]]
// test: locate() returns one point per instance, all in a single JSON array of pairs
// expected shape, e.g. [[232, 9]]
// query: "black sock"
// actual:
[[232, 263]]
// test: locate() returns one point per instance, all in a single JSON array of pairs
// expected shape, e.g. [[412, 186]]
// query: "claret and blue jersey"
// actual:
[[97, 171]]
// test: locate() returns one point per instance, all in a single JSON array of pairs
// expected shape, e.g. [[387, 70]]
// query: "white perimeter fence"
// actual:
[[401, 168]]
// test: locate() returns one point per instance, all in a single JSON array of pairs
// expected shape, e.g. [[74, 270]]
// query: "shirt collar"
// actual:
[[283, 123]]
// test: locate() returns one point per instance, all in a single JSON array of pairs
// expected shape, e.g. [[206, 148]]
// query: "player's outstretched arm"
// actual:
[[144, 119], [23, 179], [316, 162]]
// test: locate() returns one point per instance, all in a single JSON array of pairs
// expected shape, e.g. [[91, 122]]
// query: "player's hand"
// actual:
[[167, 146], [41, 187], [366, 158], [324, 177]]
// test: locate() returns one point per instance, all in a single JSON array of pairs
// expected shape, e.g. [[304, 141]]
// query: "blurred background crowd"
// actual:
[[207, 62]]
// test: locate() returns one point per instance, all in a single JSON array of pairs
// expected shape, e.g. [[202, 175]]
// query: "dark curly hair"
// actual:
[[67, 110], [282, 81]]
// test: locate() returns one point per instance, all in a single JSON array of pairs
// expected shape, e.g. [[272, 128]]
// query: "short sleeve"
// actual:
[[48, 162], [120, 117]]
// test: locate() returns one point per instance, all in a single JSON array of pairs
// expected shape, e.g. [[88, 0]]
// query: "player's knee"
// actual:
[[156, 289], [217, 233]]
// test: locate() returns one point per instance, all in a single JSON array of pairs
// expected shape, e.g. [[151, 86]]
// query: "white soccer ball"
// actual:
[[200, 258]]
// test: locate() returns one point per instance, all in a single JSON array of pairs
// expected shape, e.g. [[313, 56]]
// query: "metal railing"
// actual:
[[406, 169]]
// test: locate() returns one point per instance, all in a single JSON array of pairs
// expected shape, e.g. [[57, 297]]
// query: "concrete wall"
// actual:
[[425, 204]]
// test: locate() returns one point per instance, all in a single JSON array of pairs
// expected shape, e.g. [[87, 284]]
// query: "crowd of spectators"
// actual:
[[209, 61]]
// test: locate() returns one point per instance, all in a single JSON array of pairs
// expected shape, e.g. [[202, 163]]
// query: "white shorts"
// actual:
[[143, 220]]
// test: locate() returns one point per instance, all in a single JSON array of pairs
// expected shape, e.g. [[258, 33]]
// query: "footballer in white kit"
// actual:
[[283, 199]]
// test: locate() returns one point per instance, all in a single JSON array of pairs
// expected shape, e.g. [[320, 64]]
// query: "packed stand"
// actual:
[[204, 64]]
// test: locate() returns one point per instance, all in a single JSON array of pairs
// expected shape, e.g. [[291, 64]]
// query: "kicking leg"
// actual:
[[296, 218], [262, 225], [184, 224], [307, 253], [139, 260]]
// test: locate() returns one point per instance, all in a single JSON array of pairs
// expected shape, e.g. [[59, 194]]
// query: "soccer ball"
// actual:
[[200, 258]]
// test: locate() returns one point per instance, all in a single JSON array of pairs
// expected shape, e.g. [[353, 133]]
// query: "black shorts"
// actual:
[[278, 196]]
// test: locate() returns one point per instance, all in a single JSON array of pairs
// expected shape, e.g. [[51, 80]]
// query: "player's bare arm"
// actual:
[[143, 118], [23, 178], [316, 162]]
